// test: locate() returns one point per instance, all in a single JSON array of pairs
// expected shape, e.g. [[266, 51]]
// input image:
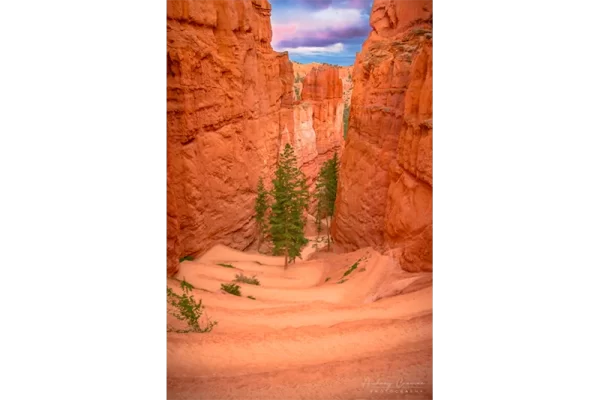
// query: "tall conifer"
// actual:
[[290, 196], [260, 207], [326, 194]]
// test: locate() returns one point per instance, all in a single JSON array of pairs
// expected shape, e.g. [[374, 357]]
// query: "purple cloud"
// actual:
[[316, 4], [320, 27], [326, 37], [362, 4]]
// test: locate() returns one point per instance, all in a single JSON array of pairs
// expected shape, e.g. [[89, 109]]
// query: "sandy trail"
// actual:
[[306, 336]]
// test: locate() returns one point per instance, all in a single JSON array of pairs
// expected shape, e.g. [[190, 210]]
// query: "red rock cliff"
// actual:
[[386, 179], [346, 77], [318, 118], [229, 98]]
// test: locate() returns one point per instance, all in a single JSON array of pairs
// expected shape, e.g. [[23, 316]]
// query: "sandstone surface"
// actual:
[[230, 111], [346, 77], [318, 119], [386, 179], [345, 74], [229, 97]]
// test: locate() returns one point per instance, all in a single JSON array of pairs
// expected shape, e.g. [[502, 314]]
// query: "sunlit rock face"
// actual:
[[386, 179]]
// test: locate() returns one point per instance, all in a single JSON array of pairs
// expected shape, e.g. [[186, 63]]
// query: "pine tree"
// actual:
[[326, 194], [290, 195], [346, 117], [260, 207]]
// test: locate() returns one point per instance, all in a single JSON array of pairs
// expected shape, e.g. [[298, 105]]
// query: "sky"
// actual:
[[324, 31]]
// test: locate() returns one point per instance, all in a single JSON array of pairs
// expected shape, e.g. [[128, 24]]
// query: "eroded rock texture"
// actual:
[[346, 77], [229, 97], [386, 180], [318, 119]]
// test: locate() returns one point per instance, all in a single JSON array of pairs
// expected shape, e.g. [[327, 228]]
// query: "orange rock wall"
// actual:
[[346, 77], [323, 88], [229, 97], [386, 179], [301, 70], [318, 119]]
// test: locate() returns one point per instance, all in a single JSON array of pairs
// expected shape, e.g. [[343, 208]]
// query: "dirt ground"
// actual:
[[306, 336]]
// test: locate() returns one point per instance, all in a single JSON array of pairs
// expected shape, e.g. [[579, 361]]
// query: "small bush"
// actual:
[[252, 297], [246, 279], [342, 281], [352, 268], [328, 278], [362, 269], [186, 258], [226, 265], [231, 288], [185, 308]]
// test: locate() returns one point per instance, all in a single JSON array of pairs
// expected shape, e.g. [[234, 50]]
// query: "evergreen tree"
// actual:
[[326, 194], [290, 195], [346, 118], [260, 207]]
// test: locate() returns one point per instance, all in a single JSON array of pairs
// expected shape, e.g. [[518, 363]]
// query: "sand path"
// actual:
[[305, 336]]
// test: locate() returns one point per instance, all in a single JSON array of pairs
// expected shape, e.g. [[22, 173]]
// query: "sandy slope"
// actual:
[[305, 337]]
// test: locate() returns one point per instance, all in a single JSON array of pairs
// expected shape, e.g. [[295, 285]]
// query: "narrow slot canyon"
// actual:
[[348, 319]]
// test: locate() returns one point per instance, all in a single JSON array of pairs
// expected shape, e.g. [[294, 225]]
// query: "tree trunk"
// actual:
[[328, 240], [259, 237], [286, 259]]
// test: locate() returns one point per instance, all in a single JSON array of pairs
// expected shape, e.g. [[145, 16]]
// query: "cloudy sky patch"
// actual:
[[330, 31]]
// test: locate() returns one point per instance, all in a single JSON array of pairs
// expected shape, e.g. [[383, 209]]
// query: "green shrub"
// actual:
[[186, 258], [246, 279], [328, 278], [226, 265], [342, 281], [352, 268], [185, 308], [252, 297], [231, 288]]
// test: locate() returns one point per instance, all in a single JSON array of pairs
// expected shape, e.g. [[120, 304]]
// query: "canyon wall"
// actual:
[[386, 179], [229, 97], [346, 77], [318, 118], [345, 74]]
